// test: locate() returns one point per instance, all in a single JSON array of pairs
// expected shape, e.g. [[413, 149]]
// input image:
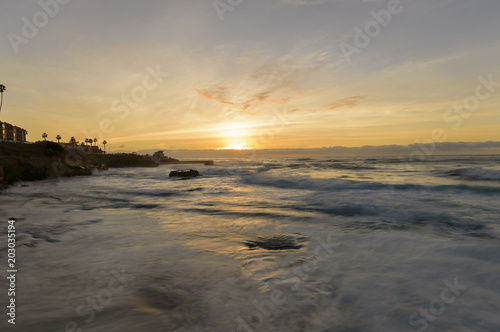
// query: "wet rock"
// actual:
[[277, 242], [185, 173]]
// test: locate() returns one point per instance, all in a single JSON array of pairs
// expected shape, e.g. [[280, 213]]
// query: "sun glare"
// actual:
[[236, 146], [234, 132], [235, 137]]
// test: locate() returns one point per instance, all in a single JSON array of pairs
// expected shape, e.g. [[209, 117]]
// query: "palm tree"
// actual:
[[95, 141], [72, 140], [2, 89], [58, 138], [104, 143], [86, 141], [90, 141], [44, 135]]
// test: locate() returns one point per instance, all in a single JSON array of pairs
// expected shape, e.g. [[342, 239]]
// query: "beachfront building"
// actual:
[[82, 147], [20, 134], [12, 133]]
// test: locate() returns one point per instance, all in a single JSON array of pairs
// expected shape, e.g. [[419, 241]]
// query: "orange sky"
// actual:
[[264, 75]]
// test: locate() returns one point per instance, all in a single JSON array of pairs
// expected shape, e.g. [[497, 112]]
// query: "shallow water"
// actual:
[[295, 244]]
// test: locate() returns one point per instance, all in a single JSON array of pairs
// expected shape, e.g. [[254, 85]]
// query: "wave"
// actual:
[[153, 193], [476, 174], [338, 184], [349, 166]]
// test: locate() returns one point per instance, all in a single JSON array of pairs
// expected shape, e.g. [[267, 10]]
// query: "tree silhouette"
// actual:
[[86, 141], [58, 138], [44, 136], [95, 141], [2, 89], [104, 143], [72, 140]]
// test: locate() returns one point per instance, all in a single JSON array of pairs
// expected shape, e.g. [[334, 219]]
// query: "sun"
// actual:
[[235, 146], [235, 137]]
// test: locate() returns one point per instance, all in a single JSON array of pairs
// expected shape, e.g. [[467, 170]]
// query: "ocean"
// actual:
[[275, 244]]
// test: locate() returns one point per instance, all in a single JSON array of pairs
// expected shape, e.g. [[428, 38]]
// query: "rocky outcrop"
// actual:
[[124, 160], [160, 158], [41, 160], [185, 174], [29, 162], [277, 242]]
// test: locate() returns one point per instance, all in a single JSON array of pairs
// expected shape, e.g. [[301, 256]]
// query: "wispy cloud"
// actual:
[[268, 83], [348, 102]]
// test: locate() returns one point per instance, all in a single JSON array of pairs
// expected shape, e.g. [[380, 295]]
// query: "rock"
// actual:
[[185, 173], [277, 242]]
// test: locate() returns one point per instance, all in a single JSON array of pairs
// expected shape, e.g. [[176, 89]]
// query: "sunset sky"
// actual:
[[206, 74]]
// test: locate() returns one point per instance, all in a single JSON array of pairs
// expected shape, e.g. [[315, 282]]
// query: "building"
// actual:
[[12, 133], [82, 147], [20, 134]]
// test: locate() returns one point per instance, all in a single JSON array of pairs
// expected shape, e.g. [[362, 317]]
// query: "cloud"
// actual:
[[269, 83], [218, 93], [348, 102]]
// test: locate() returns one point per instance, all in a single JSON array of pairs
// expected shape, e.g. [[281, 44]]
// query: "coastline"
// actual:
[[20, 162]]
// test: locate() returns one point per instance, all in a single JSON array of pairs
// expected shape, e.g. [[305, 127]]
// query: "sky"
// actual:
[[261, 74]]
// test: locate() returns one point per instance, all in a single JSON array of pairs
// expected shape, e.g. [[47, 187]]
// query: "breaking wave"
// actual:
[[476, 174]]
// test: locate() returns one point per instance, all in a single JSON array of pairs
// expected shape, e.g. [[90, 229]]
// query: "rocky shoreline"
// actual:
[[42, 160]]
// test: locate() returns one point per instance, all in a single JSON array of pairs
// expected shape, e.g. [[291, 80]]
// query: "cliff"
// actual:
[[41, 160]]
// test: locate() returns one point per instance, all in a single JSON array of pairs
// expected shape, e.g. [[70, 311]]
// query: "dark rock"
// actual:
[[22, 171], [52, 149], [76, 171], [120, 160], [277, 242], [185, 173]]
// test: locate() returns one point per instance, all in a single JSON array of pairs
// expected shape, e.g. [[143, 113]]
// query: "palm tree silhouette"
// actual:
[[104, 143], [95, 141], [58, 138], [72, 140], [87, 141], [44, 135], [2, 89]]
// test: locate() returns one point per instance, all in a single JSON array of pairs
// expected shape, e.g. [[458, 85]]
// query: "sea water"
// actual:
[[283, 244]]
